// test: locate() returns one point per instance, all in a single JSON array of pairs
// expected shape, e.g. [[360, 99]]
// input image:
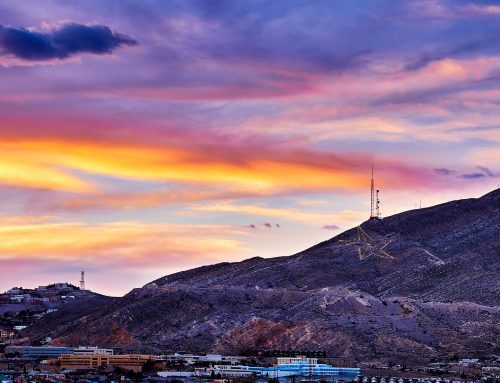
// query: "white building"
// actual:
[[296, 366], [234, 371], [172, 374], [211, 358], [93, 350], [296, 359], [468, 362]]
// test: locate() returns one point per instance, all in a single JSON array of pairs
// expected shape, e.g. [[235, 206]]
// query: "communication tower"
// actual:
[[82, 280], [378, 206], [372, 197], [374, 200]]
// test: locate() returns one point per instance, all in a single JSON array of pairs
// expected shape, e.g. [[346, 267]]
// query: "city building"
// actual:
[[92, 351], [467, 362], [297, 359], [303, 367], [211, 358], [39, 352], [294, 353], [133, 362], [6, 333], [48, 352], [286, 366]]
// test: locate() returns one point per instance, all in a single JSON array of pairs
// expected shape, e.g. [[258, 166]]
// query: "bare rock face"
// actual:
[[416, 285]]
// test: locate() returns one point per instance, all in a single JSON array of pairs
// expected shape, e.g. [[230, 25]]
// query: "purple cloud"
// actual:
[[476, 128], [485, 172], [331, 227], [63, 42], [267, 225], [467, 48], [444, 171], [469, 176]]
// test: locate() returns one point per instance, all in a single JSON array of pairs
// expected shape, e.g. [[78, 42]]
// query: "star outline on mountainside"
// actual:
[[369, 247]]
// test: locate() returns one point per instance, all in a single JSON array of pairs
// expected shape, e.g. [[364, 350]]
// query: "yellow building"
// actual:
[[133, 362], [296, 359], [6, 333]]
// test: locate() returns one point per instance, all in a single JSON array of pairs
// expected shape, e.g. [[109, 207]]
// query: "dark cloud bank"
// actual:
[[60, 43], [483, 172]]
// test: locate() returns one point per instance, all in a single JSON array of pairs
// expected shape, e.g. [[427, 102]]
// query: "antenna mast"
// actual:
[[372, 197], [378, 205], [82, 280]]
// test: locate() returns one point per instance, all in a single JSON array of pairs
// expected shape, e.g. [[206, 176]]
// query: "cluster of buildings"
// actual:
[[6, 332], [80, 358], [47, 352], [190, 359], [284, 367], [39, 295], [131, 362], [21, 307], [92, 358], [69, 364], [62, 364]]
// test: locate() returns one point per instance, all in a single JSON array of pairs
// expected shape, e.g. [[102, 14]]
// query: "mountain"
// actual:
[[410, 287]]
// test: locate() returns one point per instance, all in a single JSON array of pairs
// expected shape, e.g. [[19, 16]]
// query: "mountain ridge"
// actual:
[[415, 285]]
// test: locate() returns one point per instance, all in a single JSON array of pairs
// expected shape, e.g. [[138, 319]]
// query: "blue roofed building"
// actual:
[[298, 366], [40, 351]]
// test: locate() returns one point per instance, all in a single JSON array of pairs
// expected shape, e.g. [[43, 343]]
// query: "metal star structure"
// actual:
[[367, 246]]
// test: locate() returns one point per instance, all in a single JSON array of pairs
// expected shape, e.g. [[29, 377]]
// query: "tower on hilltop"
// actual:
[[374, 200], [82, 280]]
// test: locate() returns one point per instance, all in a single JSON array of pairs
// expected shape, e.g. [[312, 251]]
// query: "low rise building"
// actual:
[[211, 358], [467, 362], [295, 359], [290, 366], [6, 333], [187, 358], [176, 374], [92, 350], [286, 366], [133, 362], [47, 352], [39, 352]]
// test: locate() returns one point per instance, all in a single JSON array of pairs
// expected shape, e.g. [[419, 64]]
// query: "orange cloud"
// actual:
[[20, 167], [242, 169], [133, 200], [124, 243]]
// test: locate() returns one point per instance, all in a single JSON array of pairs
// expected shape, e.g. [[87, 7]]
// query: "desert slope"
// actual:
[[415, 285]]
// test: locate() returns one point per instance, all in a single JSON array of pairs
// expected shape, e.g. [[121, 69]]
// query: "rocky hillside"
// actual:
[[26, 307], [416, 285]]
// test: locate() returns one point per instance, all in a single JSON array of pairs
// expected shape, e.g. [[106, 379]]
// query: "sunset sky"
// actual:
[[140, 138]]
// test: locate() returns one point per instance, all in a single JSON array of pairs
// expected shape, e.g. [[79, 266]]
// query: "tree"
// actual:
[[149, 366]]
